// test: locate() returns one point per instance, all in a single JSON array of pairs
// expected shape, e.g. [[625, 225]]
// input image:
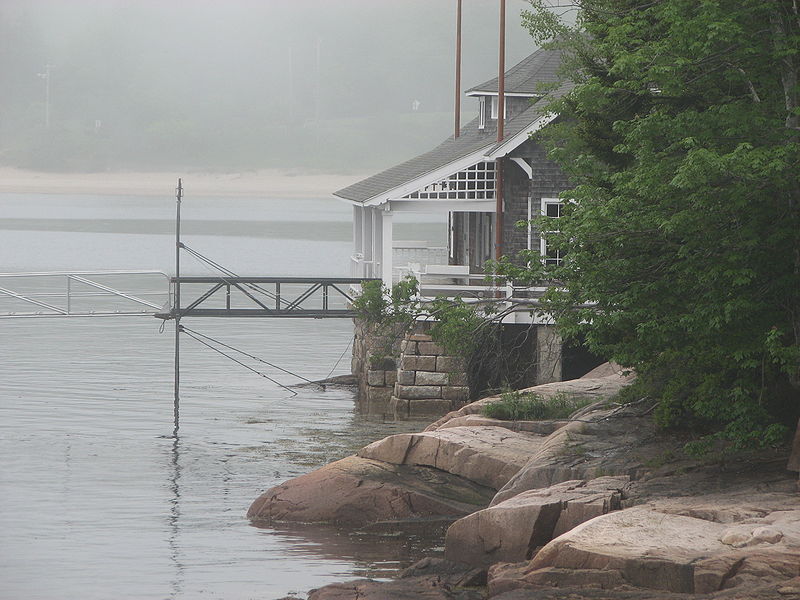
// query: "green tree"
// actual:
[[682, 232]]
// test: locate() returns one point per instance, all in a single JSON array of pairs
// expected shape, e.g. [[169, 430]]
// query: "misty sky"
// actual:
[[318, 84]]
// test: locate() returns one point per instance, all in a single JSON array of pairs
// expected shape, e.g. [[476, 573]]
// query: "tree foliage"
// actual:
[[682, 231]]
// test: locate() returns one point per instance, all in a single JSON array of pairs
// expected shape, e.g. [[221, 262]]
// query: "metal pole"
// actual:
[[177, 307], [501, 106], [458, 70], [501, 75]]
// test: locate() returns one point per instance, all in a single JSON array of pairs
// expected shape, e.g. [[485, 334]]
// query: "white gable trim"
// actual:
[[516, 140], [509, 94], [482, 155], [427, 178]]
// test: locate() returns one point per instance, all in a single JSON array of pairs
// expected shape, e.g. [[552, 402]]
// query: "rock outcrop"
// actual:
[[433, 579], [602, 506], [358, 491], [597, 389], [598, 441], [536, 427], [646, 548], [489, 456], [514, 530]]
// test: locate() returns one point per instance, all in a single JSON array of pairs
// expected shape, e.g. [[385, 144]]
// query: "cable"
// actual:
[[261, 360], [340, 358], [229, 273], [249, 368]]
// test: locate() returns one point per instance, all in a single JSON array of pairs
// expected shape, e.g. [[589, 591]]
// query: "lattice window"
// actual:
[[474, 183]]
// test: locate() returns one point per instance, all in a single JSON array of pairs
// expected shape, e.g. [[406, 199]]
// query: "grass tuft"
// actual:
[[516, 406]]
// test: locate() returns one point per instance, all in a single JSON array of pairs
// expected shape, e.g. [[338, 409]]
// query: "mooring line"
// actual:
[[247, 354], [227, 272], [340, 358], [248, 367]]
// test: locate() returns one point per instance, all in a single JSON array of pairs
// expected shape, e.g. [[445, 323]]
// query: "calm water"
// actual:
[[97, 498]]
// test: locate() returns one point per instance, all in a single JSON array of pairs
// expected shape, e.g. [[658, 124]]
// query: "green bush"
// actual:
[[516, 406]]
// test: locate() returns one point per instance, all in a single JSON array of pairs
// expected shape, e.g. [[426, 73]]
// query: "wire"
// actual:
[[229, 273], [249, 368], [340, 358], [261, 360]]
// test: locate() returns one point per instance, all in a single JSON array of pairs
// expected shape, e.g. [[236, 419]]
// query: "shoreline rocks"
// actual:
[[489, 456], [515, 529], [358, 491], [602, 506]]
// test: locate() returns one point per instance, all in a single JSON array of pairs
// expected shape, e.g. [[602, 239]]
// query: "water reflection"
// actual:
[[151, 492], [175, 510], [379, 550]]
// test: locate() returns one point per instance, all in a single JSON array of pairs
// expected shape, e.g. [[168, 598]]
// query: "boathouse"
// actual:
[[477, 182], [461, 180]]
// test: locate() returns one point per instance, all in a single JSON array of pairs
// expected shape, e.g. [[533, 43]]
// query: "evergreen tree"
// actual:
[[682, 233]]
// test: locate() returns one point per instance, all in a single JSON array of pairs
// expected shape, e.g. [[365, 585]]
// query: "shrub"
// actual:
[[517, 406]]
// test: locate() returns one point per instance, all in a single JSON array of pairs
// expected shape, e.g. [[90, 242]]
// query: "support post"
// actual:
[[377, 242], [367, 237], [498, 210], [177, 307], [386, 243], [357, 265], [458, 72], [501, 75], [501, 113]]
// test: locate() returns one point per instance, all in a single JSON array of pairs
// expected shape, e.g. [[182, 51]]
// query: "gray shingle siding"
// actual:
[[548, 182]]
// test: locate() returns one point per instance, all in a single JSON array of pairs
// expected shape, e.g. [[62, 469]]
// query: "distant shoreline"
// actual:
[[265, 183]]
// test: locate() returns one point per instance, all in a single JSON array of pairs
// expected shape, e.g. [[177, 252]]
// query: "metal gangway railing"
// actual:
[[84, 294]]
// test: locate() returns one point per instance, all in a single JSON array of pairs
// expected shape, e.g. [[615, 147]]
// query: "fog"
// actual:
[[310, 85]]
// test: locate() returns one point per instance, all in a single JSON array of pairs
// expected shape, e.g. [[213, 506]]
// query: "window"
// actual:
[[495, 102], [482, 113], [551, 207]]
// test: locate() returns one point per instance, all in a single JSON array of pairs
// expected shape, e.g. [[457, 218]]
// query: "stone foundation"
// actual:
[[407, 375], [374, 363], [429, 382], [403, 376]]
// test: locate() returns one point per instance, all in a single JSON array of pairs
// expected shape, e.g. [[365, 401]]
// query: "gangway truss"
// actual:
[[84, 294]]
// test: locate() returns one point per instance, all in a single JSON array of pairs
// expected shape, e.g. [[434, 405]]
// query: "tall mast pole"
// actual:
[[458, 70], [501, 106], [501, 75], [177, 306]]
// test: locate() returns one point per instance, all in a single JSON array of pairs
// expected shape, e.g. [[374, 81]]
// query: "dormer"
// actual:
[[522, 83]]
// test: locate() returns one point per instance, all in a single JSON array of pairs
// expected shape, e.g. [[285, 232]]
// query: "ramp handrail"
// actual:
[[134, 302]]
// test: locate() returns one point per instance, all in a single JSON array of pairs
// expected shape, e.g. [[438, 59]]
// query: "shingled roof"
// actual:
[[524, 78], [472, 142]]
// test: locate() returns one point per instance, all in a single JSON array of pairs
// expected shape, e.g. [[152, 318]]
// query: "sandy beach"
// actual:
[[251, 183]]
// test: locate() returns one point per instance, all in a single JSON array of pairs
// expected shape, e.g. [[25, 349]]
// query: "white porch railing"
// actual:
[[409, 257], [366, 269]]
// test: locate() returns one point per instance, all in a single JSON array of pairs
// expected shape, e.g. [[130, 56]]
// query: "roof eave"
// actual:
[[476, 92], [508, 145], [427, 178], [347, 200]]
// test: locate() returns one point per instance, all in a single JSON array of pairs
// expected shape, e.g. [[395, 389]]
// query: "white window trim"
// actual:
[[530, 227], [495, 102], [542, 240], [482, 112]]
